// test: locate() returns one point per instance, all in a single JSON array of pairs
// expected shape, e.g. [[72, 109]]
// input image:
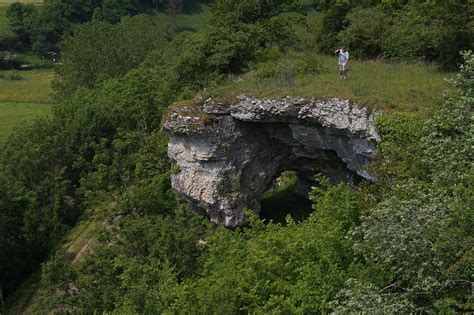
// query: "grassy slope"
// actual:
[[14, 114], [378, 85], [74, 245]]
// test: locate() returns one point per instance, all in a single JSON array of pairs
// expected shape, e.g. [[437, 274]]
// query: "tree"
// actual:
[[99, 51], [418, 240], [20, 18], [113, 10], [174, 8], [271, 268]]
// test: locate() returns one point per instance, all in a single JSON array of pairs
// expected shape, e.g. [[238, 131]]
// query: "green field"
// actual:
[[33, 86], [23, 100], [15, 114], [410, 87]]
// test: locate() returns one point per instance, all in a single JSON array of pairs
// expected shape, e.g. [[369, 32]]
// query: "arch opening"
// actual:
[[287, 196]]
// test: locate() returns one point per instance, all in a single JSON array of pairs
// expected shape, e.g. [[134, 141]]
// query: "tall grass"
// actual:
[[378, 85], [34, 86]]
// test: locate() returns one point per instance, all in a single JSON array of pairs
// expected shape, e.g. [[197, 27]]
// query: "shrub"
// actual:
[[9, 61], [310, 63], [365, 32], [268, 70], [330, 24], [9, 41]]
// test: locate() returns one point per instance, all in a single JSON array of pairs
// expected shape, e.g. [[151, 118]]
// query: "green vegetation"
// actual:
[[24, 96], [15, 114], [3, 19], [4, 4], [8, 2], [282, 200], [378, 85], [86, 203], [187, 21], [33, 86]]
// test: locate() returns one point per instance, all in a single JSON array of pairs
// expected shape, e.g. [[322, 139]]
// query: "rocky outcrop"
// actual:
[[228, 155]]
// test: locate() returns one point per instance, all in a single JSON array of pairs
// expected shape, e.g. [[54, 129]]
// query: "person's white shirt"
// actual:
[[343, 57]]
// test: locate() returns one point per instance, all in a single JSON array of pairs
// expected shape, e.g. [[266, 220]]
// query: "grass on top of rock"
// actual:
[[389, 86]]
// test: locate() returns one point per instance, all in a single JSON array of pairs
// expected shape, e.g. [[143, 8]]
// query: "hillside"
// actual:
[[204, 157]]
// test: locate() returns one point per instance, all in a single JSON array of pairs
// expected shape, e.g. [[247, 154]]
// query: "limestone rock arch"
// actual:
[[227, 156]]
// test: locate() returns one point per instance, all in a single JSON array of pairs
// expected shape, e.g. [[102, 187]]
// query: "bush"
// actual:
[[365, 32], [268, 70], [310, 63], [328, 26], [99, 51], [9, 41], [431, 33], [409, 38], [9, 61]]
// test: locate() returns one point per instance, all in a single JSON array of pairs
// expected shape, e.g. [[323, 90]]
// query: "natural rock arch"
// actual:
[[227, 156]]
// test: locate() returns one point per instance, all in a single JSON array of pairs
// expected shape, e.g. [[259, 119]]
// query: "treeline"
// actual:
[[40, 27], [403, 244], [433, 31]]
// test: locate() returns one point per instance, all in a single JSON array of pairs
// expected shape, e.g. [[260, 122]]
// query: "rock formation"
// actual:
[[228, 155]]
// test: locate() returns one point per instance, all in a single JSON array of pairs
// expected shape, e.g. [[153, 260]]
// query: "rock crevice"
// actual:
[[228, 156]]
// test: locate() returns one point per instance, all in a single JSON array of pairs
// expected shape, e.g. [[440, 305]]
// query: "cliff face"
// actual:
[[228, 156]]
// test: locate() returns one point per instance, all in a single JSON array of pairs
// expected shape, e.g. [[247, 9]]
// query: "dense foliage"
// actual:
[[40, 28], [433, 31], [401, 244]]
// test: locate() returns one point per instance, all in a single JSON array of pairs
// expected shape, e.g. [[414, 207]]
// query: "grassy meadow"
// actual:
[[14, 114], [23, 99], [33, 86], [412, 87]]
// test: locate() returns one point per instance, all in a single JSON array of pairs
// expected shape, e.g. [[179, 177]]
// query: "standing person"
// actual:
[[343, 60]]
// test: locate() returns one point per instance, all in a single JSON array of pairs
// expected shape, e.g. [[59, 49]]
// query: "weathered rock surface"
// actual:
[[229, 155]]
